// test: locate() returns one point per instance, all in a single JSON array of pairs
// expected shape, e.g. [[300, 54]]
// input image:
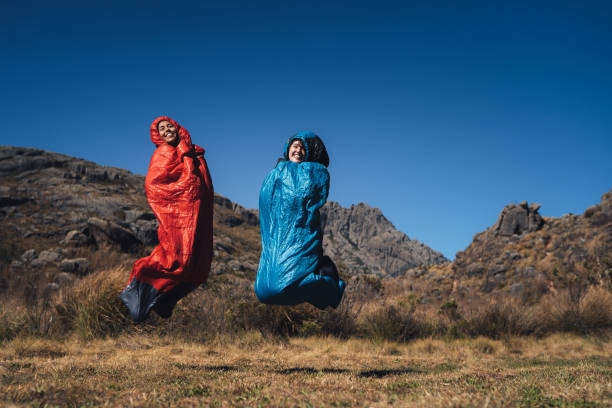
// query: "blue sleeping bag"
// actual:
[[292, 254]]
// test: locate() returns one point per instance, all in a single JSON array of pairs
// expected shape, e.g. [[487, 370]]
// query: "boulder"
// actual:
[[45, 258], [136, 215], [224, 247], [111, 233], [474, 269], [497, 269], [75, 238], [518, 219], [78, 266], [65, 252], [28, 256], [146, 231], [64, 278]]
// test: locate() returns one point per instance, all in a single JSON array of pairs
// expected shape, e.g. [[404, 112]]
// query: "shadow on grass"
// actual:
[[365, 374], [310, 370], [387, 372], [222, 368]]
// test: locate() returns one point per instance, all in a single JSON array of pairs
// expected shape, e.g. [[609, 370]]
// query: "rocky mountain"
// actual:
[[61, 217], [526, 255], [522, 246], [366, 242]]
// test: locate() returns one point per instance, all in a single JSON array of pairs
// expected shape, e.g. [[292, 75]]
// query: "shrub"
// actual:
[[392, 323], [495, 320], [92, 307], [595, 309], [17, 320], [309, 328], [449, 310], [338, 322]]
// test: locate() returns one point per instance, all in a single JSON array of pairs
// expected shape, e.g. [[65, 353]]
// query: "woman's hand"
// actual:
[[186, 149]]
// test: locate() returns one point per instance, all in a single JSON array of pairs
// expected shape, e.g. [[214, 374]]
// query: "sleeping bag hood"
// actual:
[[180, 192], [291, 236], [315, 149]]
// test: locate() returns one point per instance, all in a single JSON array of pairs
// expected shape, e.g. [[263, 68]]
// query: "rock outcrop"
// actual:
[[362, 240], [527, 254], [518, 219], [524, 256]]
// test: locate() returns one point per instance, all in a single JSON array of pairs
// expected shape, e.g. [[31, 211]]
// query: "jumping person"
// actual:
[[292, 267], [180, 192]]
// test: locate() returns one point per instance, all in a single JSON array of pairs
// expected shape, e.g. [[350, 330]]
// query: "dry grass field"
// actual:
[[223, 348], [562, 370]]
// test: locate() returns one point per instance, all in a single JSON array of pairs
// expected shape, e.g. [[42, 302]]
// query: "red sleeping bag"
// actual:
[[180, 192]]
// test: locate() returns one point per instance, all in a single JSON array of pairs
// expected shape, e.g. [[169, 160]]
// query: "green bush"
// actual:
[[309, 328]]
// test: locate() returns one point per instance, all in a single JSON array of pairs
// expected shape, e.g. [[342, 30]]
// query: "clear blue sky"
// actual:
[[439, 112]]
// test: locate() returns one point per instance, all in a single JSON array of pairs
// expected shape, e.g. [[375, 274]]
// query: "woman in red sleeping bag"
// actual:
[[180, 193]]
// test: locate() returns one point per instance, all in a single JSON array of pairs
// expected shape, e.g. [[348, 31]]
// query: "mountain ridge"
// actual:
[[63, 217], [68, 208]]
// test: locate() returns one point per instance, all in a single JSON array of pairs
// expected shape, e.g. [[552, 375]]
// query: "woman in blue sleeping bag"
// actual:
[[292, 268]]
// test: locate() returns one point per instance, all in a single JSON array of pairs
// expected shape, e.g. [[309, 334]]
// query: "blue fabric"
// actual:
[[291, 237]]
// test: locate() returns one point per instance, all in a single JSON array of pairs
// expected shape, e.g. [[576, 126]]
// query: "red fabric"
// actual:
[[180, 192]]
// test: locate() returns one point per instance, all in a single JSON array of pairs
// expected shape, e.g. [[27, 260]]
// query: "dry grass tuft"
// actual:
[[16, 319], [92, 307], [595, 308]]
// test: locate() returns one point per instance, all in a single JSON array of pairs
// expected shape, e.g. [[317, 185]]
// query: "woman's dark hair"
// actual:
[[317, 151]]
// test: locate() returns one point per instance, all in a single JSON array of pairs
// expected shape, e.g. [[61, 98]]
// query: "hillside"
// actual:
[[63, 217], [526, 256], [70, 231]]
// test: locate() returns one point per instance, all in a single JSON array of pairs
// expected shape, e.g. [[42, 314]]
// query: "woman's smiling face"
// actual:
[[168, 132], [297, 152]]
